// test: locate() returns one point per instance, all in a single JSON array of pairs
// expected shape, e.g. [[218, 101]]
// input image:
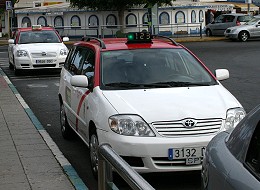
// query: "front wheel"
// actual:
[[93, 152], [208, 32], [66, 131], [243, 36]]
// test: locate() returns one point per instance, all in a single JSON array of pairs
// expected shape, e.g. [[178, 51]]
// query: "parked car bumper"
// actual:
[[231, 35], [152, 153]]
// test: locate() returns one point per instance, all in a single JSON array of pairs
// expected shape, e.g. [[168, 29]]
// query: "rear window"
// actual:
[[245, 18]]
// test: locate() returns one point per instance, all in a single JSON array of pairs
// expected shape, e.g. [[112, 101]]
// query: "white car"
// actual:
[[153, 101], [36, 47], [251, 29]]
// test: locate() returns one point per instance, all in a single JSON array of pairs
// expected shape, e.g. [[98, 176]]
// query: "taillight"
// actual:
[[238, 23]]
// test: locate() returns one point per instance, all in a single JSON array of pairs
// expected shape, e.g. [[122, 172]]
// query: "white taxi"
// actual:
[[36, 47], [150, 98]]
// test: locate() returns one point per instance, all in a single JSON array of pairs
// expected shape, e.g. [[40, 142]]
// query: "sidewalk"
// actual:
[[26, 160]]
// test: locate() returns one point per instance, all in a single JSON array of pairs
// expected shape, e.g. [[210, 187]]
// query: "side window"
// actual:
[[77, 61], [89, 66], [219, 19], [228, 18], [69, 57], [253, 153]]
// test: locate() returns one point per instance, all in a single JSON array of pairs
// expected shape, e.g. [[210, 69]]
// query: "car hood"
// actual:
[[167, 104], [40, 47]]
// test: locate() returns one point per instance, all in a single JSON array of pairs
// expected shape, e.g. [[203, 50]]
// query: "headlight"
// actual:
[[130, 125], [21, 53], [234, 116], [233, 31], [63, 52]]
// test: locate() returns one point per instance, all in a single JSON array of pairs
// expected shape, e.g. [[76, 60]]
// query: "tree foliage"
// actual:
[[113, 4]]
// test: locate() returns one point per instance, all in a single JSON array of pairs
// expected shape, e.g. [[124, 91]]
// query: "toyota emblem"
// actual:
[[189, 123]]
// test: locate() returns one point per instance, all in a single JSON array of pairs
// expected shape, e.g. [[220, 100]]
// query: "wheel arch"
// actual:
[[244, 31]]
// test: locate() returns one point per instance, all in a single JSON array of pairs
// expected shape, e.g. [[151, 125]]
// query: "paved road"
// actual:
[[40, 92]]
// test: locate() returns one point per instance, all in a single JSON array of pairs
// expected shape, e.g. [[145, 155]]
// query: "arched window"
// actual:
[[145, 19], [131, 20], [111, 21], [26, 22], [75, 21], [164, 18], [193, 16], [180, 17], [93, 21], [201, 16], [58, 21], [42, 21]]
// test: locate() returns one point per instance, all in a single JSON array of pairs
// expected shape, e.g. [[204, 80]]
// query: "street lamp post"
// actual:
[[248, 2]]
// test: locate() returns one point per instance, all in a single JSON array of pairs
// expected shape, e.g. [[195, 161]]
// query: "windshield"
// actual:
[[43, 36], [253, 21], [152, 68]]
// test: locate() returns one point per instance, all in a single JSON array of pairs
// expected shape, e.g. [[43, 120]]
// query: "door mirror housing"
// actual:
[[65, 39], [222, 74], [79, 81], [11, 41]]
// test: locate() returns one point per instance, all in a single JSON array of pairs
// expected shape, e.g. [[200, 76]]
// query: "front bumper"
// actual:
[[153, 151], [231, 35], [48, 63]]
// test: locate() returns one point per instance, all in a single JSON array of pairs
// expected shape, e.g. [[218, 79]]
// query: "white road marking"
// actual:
[[37, 85]]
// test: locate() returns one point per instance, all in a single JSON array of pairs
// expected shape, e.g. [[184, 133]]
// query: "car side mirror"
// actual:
[[222, 74], [79, 81], [65, 39], [11, 41]]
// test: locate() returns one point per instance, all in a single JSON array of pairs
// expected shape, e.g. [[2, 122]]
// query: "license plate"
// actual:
[[44, 61], [184, 153]]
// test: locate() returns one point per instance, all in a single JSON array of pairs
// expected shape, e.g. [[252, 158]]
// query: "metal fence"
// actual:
[[108, 159], [179, 30], [105, 31]]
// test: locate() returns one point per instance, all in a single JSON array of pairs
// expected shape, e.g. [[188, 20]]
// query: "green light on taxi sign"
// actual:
[[130, 36], [139, 37]]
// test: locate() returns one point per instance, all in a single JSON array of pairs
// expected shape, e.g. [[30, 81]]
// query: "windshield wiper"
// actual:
[[123, 84], [181, 84]]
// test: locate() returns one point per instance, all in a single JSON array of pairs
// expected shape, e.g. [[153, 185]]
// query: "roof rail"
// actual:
[[165, 37], [88, 38]]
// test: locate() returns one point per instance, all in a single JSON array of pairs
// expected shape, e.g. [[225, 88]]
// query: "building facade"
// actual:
[[181, 17]]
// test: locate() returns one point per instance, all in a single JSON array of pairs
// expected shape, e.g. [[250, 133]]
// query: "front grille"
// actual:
[[41, 55], [44, 65], [164, 161], [177, 128]]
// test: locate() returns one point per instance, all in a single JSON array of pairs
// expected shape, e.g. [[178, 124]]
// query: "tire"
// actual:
[[11, 66], [243, 36], [93, 153], [66, 130], [208, 32], [17, 71]]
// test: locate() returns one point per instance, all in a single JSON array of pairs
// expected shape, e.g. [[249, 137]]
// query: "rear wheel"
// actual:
[[93, 152], [243, 36]]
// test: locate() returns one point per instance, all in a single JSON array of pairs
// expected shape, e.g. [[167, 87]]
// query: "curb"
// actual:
[[64, 163]]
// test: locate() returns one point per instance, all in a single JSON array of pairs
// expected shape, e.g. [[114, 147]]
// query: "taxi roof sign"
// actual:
[[139, 37], [36, 27]]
